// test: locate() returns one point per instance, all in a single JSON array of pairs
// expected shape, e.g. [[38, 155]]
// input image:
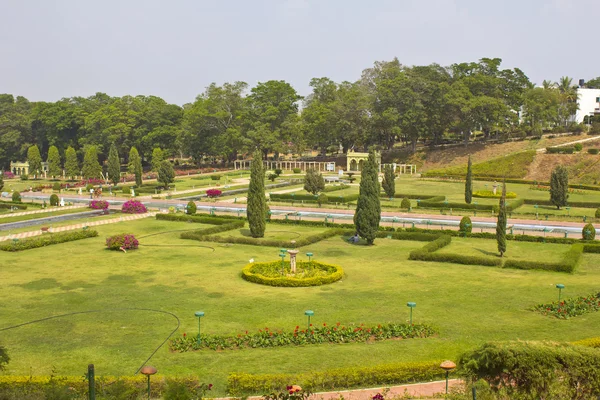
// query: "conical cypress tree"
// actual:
[[35, 161], [54, 169], [1, 180], [91, 166], [559, 186], [114, 165], [501, 224], [389, 181], [469, 184], [135, 166], [257, 209], [368, 208], [71, 163]]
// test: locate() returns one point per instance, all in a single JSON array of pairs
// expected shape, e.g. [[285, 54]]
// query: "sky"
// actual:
[[50, 49]]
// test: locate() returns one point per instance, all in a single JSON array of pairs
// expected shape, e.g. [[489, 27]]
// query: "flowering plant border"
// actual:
[[133, 207], [571, 307]]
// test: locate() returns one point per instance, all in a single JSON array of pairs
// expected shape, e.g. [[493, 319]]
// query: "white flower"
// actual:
[[251, 260]]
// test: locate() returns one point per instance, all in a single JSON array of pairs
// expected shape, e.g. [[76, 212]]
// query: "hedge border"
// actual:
[[47, 240], [335, 274]]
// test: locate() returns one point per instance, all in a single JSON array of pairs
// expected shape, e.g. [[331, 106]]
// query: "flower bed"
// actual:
[[337, 333], [212, 193], [489, 194], [571, 307], [99, 204], [310, 273], [124, 241], [8, 175], [133, 207]]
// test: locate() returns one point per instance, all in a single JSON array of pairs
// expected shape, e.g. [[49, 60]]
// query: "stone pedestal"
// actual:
[[293, 254]]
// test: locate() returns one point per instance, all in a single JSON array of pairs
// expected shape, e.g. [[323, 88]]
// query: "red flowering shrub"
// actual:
[[571, 307], [133, 207], [8, 175], [124, 241], [99, 204], [213, 193]]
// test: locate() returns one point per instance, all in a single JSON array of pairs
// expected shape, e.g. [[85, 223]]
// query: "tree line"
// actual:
[[389, 103]]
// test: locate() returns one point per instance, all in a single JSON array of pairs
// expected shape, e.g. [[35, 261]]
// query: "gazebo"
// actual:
[[22, 168], [354, 160]]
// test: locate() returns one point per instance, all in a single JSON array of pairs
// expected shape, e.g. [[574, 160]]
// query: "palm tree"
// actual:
[[548, 85], [568, 94]]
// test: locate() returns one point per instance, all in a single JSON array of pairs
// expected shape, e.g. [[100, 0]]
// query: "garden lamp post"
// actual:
[[568, 208], [447, 366], [282, 254], [536, 211], [309, 255], [411, 305], [560, 287], [199, 314], [148, 371], [308, 313]]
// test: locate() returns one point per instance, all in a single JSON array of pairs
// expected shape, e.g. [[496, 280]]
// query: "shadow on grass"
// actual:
[[488, 253]]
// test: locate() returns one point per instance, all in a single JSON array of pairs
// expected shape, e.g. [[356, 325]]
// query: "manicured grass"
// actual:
[[277, 232], [58, 211]]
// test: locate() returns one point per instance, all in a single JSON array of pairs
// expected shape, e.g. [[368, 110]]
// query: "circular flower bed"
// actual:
[[124, 241], [99, 204], [311, 273], [133, 207]]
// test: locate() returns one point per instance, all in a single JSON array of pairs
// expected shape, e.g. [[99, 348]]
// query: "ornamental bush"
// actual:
[[588, 232], [56, 186], [296, 170], [99, 204], [311, 273], [578, 146], [191, 208], [133, 207], [46, 240], [597, 214], [405, 203], [215, 177], [212, 193], [16, 197], [593, 151], [465, 225], [124, 241], [53, 200], [571, 307]]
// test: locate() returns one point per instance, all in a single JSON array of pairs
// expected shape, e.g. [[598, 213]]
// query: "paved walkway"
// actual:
[[232, 185], [44, 210], [39, 232]]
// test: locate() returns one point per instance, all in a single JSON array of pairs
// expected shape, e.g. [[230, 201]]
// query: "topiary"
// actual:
[[89, 187], [578, 146], [54, 200], [465, 225], [597, 213], [191, 208], [56, 186], [278, 171], [296, 170], [16, 197], [405, 203], [588, 232]]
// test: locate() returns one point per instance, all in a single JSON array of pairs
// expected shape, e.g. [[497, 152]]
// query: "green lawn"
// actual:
[[516, 250], [58, 211], [467, 304], [278, 232]]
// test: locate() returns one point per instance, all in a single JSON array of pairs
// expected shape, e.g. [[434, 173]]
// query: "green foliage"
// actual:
[[166, 173], [11, 204], [56, 187], [54, 169], [510, 166], [91, 167], [35, 160], [257, 205], [322, 199], [571, 307], [4, 358], [272, 177], [241, 384], [309, 198], [191, 208], [593, 151], [389, 181], [135, 166], [590, 342], [501, 223], [296, 170], [428, 253], [578, 146], [47, 240], [597, 213], [215, 177], [202, 219], [405, 203], [560, 150], [16, 197], [567, 264], [311, 273], [157, 158], [530, 370], [71, 163], [368, 207], [588, 232], [469, 183], [465, 225], [114, 165], [313, 181], [488, 194], [54, 200], [559, 186]]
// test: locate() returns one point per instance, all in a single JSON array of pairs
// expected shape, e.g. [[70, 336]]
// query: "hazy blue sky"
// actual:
[[174, 49]]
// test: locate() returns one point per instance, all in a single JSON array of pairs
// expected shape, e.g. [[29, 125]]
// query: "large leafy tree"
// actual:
[[501, 223], [469, 183], [368, 208], [15, 129], [135, 165], [113, 169], [54, 164], [257, 208], [313, 181], [1, 180], [91, 167], [35, 160], [166, 173], [593, 83], [389, 181], [71, 163], [559, 187], [318, 114]]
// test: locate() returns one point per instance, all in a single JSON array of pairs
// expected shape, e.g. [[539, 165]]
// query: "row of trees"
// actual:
[[390, 102]]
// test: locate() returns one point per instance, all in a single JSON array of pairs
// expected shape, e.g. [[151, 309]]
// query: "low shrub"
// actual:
[[489, 194], [310, 198], [560, 150], [591, 342], [336, 333], [264, 242], [56, 186], [200, 218], [322, 199], [16, 197], [588, 232], [571, 307], [88, 187], [123, 241], [593, 151], [54, 200], [296, 170], [578, 146], [11, 206], [416, 236], [581, 204], [99, 204], [312, 273], [46, 240], [242, 384], [133, 207], [597, 213], [191, 208], [405, 204], [212, 193], [567, 264], [24, 177], [215, 177], [335, 188], [465, 226], [278, 171]]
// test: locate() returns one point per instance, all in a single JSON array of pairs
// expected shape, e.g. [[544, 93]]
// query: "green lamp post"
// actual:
[[308, 313], [568, 208], [309, 255], [199, 314], [560, 287], [411, 305], [148, 371], [282, 254]]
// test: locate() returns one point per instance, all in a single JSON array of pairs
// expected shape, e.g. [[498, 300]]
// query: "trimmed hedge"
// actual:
[[427, 253], [489, 194], [560, 150], [15, 205], [47, 240], [198, 218], [335, 273], [417, 196], [567, 264], [335, 188], [510, 206], [241, 384], [201, 234], [581, 204], [590, 342], [309, 198]]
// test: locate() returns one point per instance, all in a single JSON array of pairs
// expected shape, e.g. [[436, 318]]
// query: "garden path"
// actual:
[[543, 150], [44, 210]]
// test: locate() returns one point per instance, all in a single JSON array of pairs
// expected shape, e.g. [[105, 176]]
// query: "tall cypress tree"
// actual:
[[71, 163], [135, 166], [35, 160], [257, 208], [54, 169], [501, 223], [469, 184], [114, 165], [91, 167], [157, 157], [389, 181], [1, 180], [368, 208], [559, 186]]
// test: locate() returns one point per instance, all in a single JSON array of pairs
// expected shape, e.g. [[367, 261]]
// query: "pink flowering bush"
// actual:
[[133, 207], [8, 175], [213, 193], [99, 204], [124, 241]]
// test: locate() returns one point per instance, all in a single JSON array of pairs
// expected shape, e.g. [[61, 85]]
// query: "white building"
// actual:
[[589, 103]]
